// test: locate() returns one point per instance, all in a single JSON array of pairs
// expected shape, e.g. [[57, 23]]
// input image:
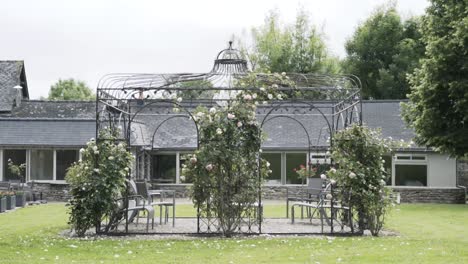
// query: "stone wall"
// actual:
[[55, 192], [60, 192], [430, 195], [462, 173]]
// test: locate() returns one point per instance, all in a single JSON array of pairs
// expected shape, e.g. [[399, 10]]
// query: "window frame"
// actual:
[[409, 161]]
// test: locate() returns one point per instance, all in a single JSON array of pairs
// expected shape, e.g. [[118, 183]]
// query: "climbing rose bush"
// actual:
[[96, 180], [227, 171], [358, 153]]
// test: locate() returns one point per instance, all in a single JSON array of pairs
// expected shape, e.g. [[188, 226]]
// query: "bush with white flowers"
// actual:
[[224, 170], [95, 181], [358, 153]]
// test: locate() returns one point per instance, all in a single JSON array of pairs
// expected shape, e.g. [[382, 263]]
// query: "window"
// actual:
[[18, 157], [294, 161], [164, 168], [64, 159], [410, 175], [319, 164], [410, 170], [275, 166], [42, 164]]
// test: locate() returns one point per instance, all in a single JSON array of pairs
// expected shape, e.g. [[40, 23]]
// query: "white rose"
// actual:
[[82, 150], [275, 86], [92, 139], [219, 131], [260, 150], [283, 73], [127, 169], [329, 196], [268, 164], [265, 102], [270, 96], [213, 110], [254, 96], [332, 170], [200, 114], [193, 160], [323, 176], [230, 116], [182, 178], [96, 152], [352, 175], [333, 182], [111, 158], [269, 171], [176, 110], [179, 99], [95, 148], [382, 182], [262, 89], [96, 170], [209, 167], [280, 97], [247, 97], [239, 124]]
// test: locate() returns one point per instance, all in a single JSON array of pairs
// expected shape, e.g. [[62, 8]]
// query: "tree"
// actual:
[[382, 51], [70, 89], [438, 106], [299, 48]]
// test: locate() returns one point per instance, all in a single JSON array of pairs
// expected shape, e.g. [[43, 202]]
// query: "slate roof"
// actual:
[[53, 110], [71, 123], [11, 75], [37, 133], [281, 130]]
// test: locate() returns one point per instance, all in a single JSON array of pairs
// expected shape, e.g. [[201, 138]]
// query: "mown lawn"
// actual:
[[428, 234]]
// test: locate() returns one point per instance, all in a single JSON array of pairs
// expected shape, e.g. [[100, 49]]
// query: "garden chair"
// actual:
[[308, 194], [329, 208], [15, 185], [158, 198], [136, 204], [4, 186]]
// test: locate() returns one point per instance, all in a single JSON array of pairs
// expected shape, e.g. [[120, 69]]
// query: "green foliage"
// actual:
[[196, 94], [96, 181], [298, 48], [382, 51], [70, 89], [438, 107], [225, 168], [17, 170], [358, 151]]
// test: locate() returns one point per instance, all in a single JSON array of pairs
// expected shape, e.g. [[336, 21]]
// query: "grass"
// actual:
[[428, 234]]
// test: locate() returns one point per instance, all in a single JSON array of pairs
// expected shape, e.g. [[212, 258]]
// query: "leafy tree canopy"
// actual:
[[382, 51], [299, 47], [438, 107], [70, 89]]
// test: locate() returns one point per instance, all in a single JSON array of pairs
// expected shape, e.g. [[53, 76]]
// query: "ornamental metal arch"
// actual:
[[132, 102]]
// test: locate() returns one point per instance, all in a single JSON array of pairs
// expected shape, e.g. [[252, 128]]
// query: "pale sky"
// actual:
[[89, 38]]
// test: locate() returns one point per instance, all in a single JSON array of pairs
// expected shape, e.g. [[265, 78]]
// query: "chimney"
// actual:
[[19, 95]]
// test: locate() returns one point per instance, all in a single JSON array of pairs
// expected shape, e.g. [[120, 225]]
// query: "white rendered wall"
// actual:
[[442, 171]]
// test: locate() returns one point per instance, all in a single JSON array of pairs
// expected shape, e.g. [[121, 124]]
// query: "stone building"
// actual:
[[47, 136]]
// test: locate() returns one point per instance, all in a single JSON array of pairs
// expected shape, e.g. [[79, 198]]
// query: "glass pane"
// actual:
[[42, 165], [65, 159], [294, 161], [411, 175], [418, 158], [275, 166], [164, 168], [388, 168], [18, 157]]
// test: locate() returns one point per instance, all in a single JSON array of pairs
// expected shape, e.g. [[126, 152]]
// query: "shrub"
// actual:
[[358, 152], [96, 180]]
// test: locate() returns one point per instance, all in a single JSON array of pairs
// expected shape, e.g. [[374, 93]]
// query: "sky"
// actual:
[[89, 38]]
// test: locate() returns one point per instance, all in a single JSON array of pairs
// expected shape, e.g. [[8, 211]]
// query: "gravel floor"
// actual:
[[269, 226]]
